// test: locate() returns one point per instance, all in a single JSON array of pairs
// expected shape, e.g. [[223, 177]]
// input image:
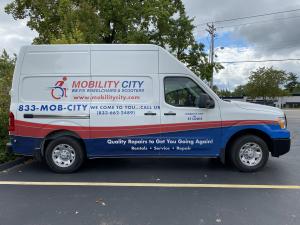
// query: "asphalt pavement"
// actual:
[[38, 198]]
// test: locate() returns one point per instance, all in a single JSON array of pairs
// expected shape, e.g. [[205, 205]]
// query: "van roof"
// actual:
[[166, 62], [104, 47]]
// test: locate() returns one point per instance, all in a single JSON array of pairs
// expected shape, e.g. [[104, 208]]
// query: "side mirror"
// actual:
[[204, 101]]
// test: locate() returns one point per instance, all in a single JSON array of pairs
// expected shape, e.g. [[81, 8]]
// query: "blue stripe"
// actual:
[[201, 142]]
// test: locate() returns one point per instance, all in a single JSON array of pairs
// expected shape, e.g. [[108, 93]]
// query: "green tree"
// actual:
[[225, 93], [292, 82], [266, 82], [297, 89], [239, 91], [6, 71], [162, 22], [222, 92], [215, 89]]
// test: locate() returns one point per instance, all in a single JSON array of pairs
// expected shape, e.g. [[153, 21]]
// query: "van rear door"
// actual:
[[48, 101]]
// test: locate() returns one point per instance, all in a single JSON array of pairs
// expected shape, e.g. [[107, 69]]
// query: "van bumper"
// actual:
[[280, 146]]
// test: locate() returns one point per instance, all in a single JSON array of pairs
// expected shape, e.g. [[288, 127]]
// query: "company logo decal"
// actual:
[[58, 91], [103, 89]]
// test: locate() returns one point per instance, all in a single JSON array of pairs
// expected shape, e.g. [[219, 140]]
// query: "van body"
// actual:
[[71, 102]]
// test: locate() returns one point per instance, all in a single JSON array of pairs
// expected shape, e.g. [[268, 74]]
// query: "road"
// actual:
[[122, 203]]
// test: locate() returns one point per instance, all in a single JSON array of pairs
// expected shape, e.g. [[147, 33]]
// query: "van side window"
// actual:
[[181, 91]]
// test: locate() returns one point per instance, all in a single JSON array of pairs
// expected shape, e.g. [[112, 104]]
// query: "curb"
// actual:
[[7, 165]]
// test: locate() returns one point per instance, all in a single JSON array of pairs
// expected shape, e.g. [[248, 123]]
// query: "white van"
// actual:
[[72, 102]]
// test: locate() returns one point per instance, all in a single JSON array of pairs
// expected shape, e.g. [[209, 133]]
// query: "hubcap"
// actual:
[[63, 155], [250, 154]]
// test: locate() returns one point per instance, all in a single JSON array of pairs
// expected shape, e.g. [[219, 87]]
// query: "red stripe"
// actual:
[[24, 128], [245, 122]]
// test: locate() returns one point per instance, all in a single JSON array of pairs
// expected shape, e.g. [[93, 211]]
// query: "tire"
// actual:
[[68, 155], [249, 153]]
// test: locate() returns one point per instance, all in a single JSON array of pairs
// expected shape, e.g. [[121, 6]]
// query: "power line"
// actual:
[[292, 41], [262, 21], [256, 22], [260, 61], [278, 45], [248, 17], [290, 45], [259, 15]]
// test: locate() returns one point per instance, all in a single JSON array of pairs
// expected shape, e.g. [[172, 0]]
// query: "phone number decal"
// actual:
[[53, 107]]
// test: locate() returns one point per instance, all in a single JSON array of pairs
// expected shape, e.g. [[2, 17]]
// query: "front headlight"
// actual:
[[282, 122]]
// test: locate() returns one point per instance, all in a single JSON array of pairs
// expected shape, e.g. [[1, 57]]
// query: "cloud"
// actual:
[[13, 34], [233, 74], [236, 74], [271, 37]]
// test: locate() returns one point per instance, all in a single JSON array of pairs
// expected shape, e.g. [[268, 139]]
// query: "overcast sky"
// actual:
[[269, 37]]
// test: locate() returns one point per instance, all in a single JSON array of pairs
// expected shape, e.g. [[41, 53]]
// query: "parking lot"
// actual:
[[155, 191]]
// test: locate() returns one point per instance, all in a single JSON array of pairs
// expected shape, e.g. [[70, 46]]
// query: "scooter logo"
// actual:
[[59, 91]]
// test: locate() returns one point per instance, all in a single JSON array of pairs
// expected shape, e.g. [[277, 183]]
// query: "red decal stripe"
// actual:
[[30, 129]]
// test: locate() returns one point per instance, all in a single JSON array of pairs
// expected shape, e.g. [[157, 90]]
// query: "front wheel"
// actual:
[[64, 155], [249, 153]]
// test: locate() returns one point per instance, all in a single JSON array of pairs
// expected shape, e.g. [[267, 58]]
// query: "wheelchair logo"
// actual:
[[59, 91]]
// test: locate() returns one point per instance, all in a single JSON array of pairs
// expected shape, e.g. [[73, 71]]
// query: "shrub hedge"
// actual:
[[7, 64]]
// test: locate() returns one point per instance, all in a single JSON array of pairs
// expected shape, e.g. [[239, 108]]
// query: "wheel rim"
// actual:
[[251, 154], [63, 155]]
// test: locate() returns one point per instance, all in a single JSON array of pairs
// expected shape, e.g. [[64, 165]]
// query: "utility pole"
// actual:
[[211, 29]]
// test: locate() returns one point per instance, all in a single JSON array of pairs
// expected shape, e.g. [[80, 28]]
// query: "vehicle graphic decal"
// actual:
[[58, 91], [30, 129]]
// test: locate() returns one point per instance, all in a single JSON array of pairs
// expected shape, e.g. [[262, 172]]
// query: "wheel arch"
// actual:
[[251, 131], [61, 133]]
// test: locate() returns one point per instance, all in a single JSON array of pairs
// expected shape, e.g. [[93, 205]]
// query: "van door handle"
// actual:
[[170, 114], [150, 114], [28, 116]]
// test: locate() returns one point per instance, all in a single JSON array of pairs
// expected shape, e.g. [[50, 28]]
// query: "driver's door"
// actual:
[[186, 128]]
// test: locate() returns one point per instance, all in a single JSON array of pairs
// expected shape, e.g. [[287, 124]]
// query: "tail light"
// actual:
[[11, 126]]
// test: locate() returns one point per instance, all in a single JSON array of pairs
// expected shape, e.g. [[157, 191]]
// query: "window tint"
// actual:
[[181, 91]]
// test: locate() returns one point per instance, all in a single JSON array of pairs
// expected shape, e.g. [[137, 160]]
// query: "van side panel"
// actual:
[[124, 62], [125, 111], [46, 101], [56, 62]]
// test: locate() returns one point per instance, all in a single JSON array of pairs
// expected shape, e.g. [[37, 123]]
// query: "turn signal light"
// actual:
[[281, 122]]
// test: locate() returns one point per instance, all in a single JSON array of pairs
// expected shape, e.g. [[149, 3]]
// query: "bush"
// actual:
[[6, 71], [4, 156]]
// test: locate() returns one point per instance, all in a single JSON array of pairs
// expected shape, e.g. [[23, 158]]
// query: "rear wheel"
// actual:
[[249, 153], [64, 155]]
